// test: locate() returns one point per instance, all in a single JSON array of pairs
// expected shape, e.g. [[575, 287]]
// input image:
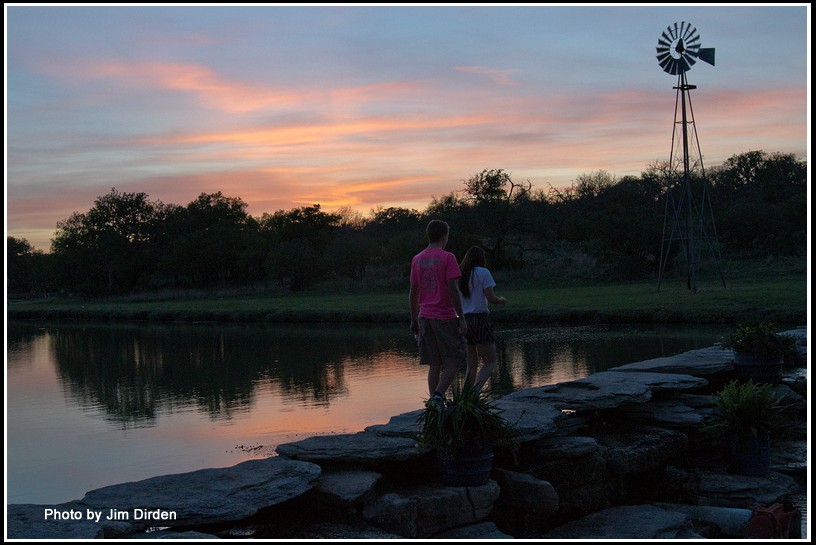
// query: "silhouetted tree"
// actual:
[[298, 241], [761, 203], [495, 201], [397, 234], [28, 270], [627, 227], [215, 243], [609, 228], [106, 248]]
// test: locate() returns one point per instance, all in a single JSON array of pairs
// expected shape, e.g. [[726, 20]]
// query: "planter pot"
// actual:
[[470, 468], [758, 367], [750, 454]]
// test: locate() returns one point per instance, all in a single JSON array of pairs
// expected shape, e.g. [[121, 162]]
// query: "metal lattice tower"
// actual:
[[689, 219]]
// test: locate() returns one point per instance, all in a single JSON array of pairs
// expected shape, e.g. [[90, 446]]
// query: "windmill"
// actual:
[[689, 218]]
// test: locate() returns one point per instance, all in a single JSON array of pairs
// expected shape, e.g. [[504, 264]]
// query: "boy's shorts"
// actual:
[[440, 343], [480, 328]]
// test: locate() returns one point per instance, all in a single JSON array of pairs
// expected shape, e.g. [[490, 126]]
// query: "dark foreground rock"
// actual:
[[204, 497], [621, 454], [624, 522]]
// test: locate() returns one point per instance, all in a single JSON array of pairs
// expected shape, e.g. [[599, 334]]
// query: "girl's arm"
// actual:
[[492, 298]]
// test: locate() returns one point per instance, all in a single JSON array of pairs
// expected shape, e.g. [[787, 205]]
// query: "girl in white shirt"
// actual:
[[476, 287]]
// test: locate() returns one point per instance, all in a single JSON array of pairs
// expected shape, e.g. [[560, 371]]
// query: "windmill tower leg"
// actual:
[[686, 212]]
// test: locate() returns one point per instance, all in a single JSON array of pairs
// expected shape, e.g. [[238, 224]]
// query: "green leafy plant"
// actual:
[[747, 409], [468, 421], [761, 339]]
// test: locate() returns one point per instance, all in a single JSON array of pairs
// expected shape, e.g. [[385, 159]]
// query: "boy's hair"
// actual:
[[436, 230]]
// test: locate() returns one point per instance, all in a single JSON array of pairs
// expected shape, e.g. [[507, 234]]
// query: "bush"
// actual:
[[760, 339]]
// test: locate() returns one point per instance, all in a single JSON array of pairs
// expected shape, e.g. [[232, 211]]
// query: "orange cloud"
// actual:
[[269, 190], [321, 131], [345, 96], [217, 92], [211, 89]]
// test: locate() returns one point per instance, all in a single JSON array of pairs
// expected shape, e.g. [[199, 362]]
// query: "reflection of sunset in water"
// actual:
[[94, 405], [565, 364], [373, 389]]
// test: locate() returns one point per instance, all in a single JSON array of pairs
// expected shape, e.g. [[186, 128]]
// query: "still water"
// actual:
[[93, 405]]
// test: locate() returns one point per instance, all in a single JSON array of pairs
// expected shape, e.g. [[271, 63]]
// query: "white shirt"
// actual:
[[480, 279]]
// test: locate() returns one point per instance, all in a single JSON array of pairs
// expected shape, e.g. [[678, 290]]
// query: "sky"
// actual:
[[368, 106]]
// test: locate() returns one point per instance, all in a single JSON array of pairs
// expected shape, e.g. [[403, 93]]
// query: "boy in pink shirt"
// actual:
[[436, 311]]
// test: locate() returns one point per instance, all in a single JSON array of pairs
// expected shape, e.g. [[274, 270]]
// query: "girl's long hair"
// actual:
[[474, 257]]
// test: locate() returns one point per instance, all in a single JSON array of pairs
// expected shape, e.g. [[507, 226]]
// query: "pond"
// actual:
[[90, 405]]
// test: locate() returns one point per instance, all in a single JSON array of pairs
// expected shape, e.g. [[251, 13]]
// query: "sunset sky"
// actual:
[[367, 106]]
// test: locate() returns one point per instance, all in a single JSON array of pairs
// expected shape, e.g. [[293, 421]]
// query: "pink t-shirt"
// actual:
[[430, 271]]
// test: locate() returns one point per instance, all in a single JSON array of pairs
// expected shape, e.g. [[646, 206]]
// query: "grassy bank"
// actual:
[[780, 296]]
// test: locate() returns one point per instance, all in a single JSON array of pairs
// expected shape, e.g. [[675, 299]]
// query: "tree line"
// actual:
[[600, 227]]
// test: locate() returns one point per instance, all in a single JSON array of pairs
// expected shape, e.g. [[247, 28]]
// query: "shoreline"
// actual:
[[784, 317]]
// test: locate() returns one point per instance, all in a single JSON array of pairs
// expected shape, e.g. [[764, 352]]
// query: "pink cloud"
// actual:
[[211, 89], [220, 93]]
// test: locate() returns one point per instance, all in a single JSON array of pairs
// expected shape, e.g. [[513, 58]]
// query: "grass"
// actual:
[[752, 293], [780, 299]]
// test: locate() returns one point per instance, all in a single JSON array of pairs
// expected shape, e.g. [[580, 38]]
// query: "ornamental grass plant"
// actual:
[[469, 421]]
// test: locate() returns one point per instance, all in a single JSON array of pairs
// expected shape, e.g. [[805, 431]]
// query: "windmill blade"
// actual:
[[663, 56], [707, 55], [692, 40], [673, 67], [685, 30], [690, 33], [667, 64]]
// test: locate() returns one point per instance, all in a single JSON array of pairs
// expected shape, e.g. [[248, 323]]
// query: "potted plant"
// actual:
[[746, 416], [465, 432], [759, 351]]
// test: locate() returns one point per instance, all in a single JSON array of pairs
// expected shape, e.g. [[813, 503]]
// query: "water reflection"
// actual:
[[123, 402], [136, 372], [530, 356]]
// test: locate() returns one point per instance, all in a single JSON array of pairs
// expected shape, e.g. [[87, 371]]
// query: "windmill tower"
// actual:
[[689, 219]]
